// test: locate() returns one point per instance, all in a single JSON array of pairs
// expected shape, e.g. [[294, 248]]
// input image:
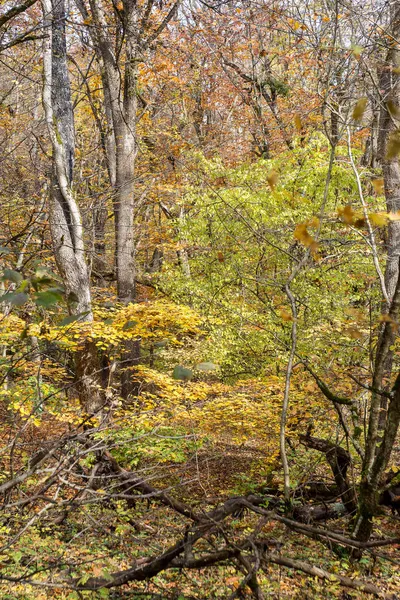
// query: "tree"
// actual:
[[64, 214]]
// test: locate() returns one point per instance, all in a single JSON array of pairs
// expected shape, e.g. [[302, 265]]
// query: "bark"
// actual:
[[389, 84], [286, 395], [377, 455], [120, 96], [64, 215], [382, 426]]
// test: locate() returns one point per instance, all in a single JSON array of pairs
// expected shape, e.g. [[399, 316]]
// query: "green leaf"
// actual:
[[206, 366], [15, 298], [17, 555], [129, 325], [10, 275], [73, 318], [47, 298], [161, 344], [182, 373], [357, 50], [24, 285], [4, 250]]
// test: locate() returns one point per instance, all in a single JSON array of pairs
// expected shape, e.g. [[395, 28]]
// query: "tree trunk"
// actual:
[[120, 96], [378, 449], [64, 215], [382, 429], [389, 86]]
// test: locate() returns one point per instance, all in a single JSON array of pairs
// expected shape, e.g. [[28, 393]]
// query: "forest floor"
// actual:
[[115, 536]]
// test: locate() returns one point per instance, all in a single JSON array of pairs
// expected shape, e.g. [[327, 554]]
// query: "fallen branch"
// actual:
[[299, 565], [339, 461]]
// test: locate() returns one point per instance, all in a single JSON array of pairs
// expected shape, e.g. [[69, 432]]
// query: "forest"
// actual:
[[200, 299]]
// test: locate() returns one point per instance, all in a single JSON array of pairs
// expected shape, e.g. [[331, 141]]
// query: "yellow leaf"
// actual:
[[297, 122], [359, 108], [378, 186], [393, 109], [346, 213], [285, 315], [301, 234], [393, 145], [378, 219], [387, 319], [272, 179], [314, 222], [353, 333]]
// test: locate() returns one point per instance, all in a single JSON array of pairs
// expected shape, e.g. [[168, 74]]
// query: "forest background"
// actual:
[[200, 295]]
